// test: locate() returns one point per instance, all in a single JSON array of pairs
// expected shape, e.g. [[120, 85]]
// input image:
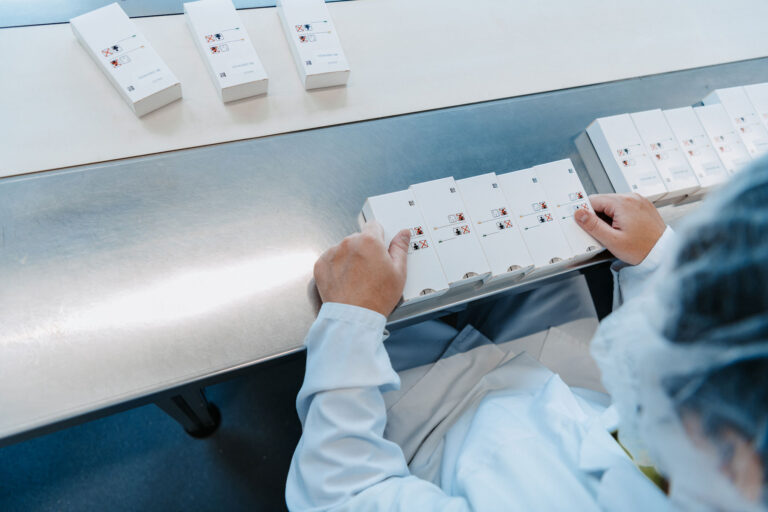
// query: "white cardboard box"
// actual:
[[671, 164], [314, 43], [226, 48], [745, 119], [397, 211], [723, 136], [538, 222], [758, 96], [627, 163], [495, 226], [697, 148], [123, 53], [566, 194], [451, 230]]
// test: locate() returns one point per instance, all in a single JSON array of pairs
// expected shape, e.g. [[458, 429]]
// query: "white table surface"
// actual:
[[58, 110]]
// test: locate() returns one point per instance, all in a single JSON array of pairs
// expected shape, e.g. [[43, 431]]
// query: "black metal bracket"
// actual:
[[193, 411]]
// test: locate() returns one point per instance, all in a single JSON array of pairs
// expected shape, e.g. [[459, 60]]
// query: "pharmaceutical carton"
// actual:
[[495, 226], [697, 148], [397, 211], [123, 53], [758, 96], [566, 195], [671, 164], [624, 157], [537, 219], [745, 119], [226, 49], [314, 43], [450, 227], [721, 132]]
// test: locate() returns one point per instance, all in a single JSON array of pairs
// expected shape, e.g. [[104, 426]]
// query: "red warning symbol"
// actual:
[[115, 63], [423, 244], [548, 217], [214, 49], [107, 52], [464, 230], [209, 38], [507, 224]]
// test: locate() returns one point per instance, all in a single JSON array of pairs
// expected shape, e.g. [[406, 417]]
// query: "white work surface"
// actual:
[[58, 110]]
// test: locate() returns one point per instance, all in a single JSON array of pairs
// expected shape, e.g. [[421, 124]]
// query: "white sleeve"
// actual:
[[629, 280], [342, 461]]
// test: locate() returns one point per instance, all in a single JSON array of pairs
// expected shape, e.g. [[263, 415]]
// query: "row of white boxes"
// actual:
[[487, 227], [673, 155], [147, 83]]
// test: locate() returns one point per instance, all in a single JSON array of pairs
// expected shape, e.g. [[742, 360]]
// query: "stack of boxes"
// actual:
[[675, 155], [486, 228], [520, 225]]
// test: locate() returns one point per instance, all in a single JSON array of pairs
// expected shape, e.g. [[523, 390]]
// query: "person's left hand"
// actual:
[[363, 271]]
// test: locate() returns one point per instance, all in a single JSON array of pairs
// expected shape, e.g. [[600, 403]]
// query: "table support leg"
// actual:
[[193, 411]]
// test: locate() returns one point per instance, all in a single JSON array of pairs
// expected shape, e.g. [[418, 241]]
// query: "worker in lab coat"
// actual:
[[476, 418]]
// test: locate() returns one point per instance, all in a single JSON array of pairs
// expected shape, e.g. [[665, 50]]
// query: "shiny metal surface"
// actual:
[[21, 13], [124, 279]]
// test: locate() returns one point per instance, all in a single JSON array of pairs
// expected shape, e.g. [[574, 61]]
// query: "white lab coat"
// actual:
[[502, 433]]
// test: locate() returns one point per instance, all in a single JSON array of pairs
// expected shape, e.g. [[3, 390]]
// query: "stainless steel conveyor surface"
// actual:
[[123, 279]]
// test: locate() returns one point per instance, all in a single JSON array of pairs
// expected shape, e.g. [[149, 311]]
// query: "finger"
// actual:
[[374, 229], [597, 227], [605, 203], [398, 250]]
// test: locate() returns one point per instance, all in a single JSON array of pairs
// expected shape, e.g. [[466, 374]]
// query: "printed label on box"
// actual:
[[722, 134], [627, 163], [492, 220], [124, 54], [397, 211], [566, 195], [227, 49], [543, 236], [671, 164], [696, 147], [457, 245]]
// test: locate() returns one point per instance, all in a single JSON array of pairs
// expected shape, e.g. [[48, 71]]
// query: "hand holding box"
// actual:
[[397, 211]]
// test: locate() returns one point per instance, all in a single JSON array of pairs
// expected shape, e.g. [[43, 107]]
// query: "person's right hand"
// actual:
[[635, 225]]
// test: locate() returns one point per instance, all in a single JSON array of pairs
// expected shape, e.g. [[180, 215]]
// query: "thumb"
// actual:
[[595, 226], [398, 250]]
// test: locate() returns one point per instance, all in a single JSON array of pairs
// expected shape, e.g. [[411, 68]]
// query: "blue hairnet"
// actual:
[[695, 345]]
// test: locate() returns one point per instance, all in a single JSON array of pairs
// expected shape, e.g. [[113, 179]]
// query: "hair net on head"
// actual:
[[687, 361]]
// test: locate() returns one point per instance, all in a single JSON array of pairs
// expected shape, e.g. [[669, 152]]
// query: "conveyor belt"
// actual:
[[125, 279]]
